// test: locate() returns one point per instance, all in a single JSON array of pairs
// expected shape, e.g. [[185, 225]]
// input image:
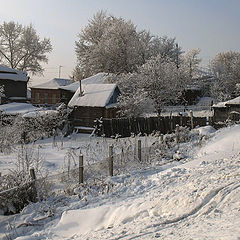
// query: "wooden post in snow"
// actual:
[[161, 139], [139, 150], [171, 121], [33, 178], [181, 119], [191, 118], [32, 174], [110, 161], [177, 133], [80, 169]]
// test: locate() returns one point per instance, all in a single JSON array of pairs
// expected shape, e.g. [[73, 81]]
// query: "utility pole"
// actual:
[[59, 71], [177, 56]]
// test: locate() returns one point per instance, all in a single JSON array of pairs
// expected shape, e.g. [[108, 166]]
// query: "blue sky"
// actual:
[[211, 25]]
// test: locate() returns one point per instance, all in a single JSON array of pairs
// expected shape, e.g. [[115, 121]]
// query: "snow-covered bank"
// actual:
[[195, 200]]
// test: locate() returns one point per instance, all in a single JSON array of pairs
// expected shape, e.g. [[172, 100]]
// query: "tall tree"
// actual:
[[166, 48], [226, 68], [158, 81], [21, 47], [110, 44], [192, 61]]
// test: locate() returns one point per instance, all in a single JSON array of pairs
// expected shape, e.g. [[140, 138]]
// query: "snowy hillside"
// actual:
[[198, 199]]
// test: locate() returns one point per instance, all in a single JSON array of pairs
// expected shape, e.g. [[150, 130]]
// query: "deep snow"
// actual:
[[197, 199]]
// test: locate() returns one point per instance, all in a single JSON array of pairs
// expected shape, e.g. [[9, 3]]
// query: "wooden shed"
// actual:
[[95, 101], [69, 90], [227, 110], [14, 83], [49, 93]]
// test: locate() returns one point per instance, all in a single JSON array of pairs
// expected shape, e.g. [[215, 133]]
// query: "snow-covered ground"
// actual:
[[194, 199]]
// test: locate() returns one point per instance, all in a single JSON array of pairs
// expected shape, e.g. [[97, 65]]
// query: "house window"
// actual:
[[45, 98], [37, 97], [54, 98]]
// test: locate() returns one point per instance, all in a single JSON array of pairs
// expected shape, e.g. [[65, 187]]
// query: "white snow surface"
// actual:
[[199, 199], [99, 78], [94, 95], [53, 84], [17, 108], [235, 101], [12, 74], [35, 114]]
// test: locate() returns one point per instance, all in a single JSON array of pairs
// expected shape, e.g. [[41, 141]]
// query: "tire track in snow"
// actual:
[[225, 191]]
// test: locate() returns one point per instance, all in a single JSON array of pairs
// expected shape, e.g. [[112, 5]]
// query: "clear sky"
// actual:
[[211, 25]]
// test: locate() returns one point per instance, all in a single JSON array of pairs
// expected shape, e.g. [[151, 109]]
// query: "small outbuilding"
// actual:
[[227, 110], [49, 93], [69, 90], [93, 102], [14, 85]]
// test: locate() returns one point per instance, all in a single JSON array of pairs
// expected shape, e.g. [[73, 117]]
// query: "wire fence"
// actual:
[[120, 156]]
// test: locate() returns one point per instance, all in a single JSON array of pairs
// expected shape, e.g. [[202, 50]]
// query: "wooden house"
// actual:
[[49, 93], [69, 90], [93, 102], [227, 110], [14, 83]]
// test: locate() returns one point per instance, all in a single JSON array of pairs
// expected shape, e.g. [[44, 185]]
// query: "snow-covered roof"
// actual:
[[95, 79], [94, 95], [71, 87], [17, 108], [12, 74], [235, 101], [53, 84]]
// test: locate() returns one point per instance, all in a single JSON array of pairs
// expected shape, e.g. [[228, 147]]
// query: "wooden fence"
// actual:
[[124, 127]]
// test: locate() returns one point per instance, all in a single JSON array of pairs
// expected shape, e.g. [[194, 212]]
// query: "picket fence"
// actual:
[[125, 127]]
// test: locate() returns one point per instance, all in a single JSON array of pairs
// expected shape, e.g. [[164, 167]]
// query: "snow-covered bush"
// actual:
[[19, 180], [30, 127]]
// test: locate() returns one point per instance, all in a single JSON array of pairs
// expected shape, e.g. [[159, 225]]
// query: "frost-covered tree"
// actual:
[[166, 48], [191, 60], [159, 82], [226, 68], [108, 44], [22, 48], [163, 80], [113, 45]]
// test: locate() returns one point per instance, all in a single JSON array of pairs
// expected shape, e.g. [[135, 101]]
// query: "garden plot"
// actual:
[[198, 199]]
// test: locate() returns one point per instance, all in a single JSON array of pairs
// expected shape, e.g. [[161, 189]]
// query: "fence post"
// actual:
[[32, 174], [33, 178], [171, 122], [181, 119], [161, 139], [191, 117], [139, 150], [80, 169], [177, 133], [111, 160]]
